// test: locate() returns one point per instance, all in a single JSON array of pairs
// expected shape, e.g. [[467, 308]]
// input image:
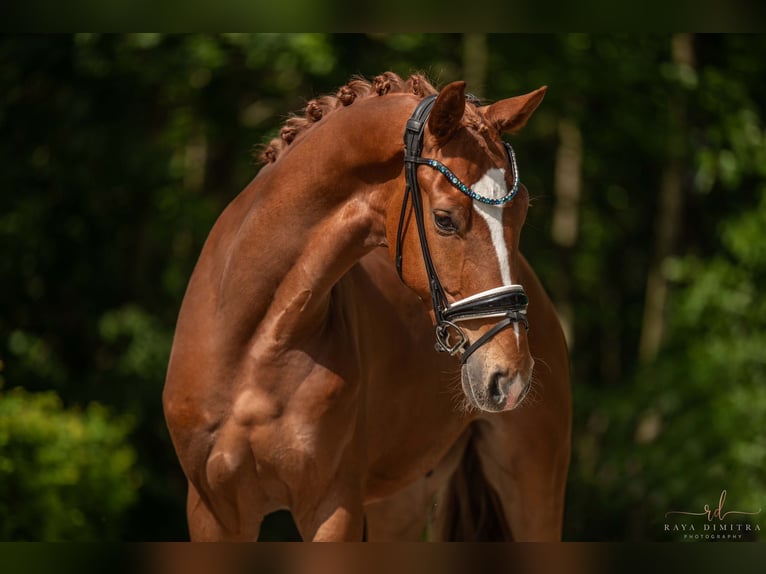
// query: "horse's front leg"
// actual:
[[337, 518], [325, 474], [525, 457], [331, 509]]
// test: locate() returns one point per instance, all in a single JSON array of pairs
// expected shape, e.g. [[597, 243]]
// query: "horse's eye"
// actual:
[[444, 222]]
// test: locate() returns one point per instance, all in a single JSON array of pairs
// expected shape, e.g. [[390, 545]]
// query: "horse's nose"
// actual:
[[499, 388]]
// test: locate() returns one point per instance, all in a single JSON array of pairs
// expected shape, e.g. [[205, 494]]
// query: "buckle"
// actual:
[[414, 126], [444, 334]]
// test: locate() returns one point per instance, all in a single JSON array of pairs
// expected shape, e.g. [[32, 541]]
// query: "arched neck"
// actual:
[[311, 216]]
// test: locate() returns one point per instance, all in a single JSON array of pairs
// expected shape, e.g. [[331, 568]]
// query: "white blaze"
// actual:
[[492, 185]]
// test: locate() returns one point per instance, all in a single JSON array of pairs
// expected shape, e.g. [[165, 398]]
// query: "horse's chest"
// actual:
[[410, 442]]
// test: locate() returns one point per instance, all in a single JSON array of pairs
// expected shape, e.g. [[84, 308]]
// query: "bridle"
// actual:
[[508, 302]]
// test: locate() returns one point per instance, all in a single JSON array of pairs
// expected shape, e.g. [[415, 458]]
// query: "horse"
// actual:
[[361, 341]]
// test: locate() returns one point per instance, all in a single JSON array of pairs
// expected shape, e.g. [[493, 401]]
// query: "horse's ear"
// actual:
[[510, 115], [447, 112]]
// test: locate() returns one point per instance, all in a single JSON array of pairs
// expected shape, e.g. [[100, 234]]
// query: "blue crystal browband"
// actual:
[[455, 180]]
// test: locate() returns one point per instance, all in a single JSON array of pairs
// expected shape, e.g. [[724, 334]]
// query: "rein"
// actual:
[[508, 302]]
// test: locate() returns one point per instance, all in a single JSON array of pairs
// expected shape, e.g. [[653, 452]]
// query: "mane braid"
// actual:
[[357, 88]]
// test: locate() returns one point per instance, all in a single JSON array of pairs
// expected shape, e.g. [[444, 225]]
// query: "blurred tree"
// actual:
[[685, 426], [475, 57], [671, 197]]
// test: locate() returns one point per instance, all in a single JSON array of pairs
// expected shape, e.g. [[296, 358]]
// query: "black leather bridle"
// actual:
[[508, 302]]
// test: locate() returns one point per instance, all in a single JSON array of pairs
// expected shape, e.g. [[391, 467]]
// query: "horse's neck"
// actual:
[[312, 215]]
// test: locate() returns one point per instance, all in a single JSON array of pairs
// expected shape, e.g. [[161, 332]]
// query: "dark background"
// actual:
[[647, 167]]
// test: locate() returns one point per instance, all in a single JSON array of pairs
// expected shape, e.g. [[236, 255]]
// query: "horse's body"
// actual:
[[303, 373]]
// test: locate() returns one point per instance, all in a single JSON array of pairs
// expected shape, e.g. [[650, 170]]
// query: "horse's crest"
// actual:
[[358, 88]]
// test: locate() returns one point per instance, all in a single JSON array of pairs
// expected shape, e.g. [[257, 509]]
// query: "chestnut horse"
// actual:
[[305, 372]]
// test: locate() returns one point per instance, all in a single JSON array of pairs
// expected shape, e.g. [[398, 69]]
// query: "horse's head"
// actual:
[[473, 208]]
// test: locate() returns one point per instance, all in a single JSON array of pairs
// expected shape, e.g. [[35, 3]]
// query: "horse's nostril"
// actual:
[[499, 385]]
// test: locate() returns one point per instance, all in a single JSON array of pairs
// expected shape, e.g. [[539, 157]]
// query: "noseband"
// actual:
[[508, 302]]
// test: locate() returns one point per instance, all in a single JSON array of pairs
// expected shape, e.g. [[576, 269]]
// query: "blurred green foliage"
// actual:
[[691, 425], [65, 474], [119, 152]]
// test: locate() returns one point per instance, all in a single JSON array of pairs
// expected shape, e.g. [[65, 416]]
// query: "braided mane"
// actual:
[[357, 88]]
